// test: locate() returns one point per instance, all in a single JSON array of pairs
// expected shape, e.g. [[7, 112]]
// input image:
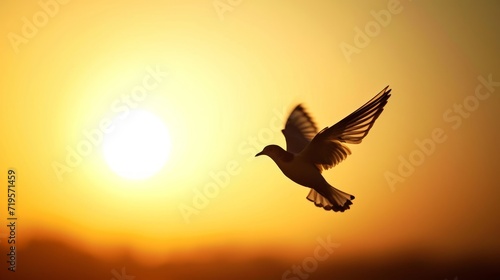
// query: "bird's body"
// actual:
[[298, 170], [309, 153]]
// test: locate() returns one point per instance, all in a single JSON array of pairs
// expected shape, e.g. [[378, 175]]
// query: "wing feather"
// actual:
[[299, 130], [327, 149]]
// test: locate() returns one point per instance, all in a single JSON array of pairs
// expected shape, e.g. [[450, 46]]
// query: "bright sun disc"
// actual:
[[138, 146]]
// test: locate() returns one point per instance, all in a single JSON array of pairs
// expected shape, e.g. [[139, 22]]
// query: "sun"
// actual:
[[138, 145]]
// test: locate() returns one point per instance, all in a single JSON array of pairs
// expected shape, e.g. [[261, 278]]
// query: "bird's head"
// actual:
[[276, 152]]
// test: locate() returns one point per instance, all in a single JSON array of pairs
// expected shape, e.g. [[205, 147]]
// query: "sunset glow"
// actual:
[[132, 128]]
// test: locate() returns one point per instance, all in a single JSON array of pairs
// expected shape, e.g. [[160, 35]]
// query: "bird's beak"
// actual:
[[259, 154]]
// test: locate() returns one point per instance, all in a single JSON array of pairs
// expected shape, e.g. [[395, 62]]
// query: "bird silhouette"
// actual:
[[309, 152]]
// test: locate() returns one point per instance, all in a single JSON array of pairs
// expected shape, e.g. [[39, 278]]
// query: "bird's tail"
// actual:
[[331, 199]]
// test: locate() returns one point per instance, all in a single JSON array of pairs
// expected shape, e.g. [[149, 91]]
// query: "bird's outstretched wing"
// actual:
[[326, 149], [299, 130]]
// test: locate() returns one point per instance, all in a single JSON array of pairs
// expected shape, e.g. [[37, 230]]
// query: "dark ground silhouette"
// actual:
[[54, 260]]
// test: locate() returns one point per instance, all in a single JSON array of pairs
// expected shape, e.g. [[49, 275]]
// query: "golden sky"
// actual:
[[223, 76]]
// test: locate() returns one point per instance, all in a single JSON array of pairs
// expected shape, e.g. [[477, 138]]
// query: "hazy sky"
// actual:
[[226, 75]]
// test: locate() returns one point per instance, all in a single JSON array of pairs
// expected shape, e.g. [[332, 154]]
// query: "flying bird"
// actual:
[[308, 152]]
